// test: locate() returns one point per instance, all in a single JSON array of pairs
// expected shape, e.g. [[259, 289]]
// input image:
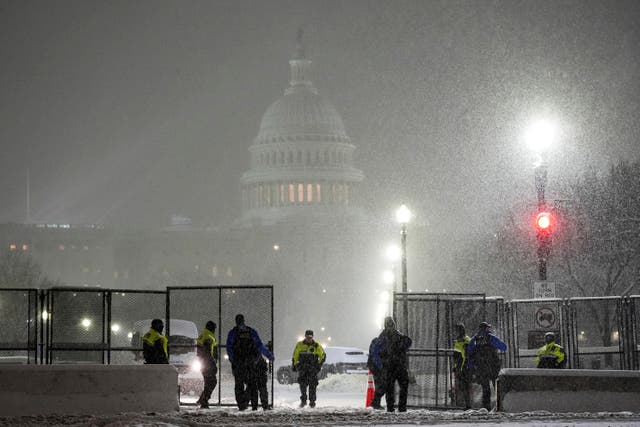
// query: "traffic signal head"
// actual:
[[543, 221]]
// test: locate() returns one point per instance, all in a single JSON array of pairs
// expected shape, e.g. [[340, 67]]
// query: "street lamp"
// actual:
[[403, 215], [540, 136]]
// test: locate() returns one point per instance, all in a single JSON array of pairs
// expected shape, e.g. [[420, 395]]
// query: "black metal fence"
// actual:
[[597, 333], [222, 304], [81, 325], [429, 321], [19, 325], [88, 325]]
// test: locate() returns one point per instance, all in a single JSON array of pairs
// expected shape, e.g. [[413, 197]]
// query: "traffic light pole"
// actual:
[[544, 239]]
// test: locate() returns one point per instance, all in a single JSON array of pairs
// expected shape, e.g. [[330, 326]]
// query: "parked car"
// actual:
[[340, 360]]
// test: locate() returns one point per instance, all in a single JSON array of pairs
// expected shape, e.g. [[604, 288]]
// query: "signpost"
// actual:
[[544, 290]]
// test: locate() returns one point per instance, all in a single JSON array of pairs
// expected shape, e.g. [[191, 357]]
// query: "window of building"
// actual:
[[310, 193], [282, 194], [300, 193], [292, 193], [318, 193]]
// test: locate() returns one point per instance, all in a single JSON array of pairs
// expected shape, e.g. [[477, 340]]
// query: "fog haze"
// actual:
[[128, 112]]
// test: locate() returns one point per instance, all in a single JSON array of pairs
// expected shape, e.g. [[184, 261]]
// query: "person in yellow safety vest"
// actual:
[[551, 355], [154, 344], [462, 391], [207, 351], [308, 357]]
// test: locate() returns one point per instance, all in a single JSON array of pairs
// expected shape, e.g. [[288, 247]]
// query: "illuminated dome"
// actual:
[[301, 159], [301, 113]]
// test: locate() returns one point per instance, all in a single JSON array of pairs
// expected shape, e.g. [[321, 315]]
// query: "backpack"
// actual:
[[245, 347], [485, 359]]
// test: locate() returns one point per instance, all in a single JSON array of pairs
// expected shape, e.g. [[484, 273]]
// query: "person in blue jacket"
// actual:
[[484, 360], [374, 363], [244, 349]]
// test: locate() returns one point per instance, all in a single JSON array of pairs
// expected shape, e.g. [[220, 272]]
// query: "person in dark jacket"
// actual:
[[307, 360], [374, 363], [154, 344], [263, 378], [551, 355], [207, 351], [393, 354], [484, 360], [461, 371], [244, 349]]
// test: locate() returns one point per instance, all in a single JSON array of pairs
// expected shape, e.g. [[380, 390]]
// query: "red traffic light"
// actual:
[[543, 221]]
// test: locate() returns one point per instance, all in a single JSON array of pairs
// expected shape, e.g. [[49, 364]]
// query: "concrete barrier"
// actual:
[[568, 390], [87, 389]]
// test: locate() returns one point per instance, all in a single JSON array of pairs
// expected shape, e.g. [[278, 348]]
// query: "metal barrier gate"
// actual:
[[430, 324], [598, 327], [220, 304], [99, 325], [19, 325], [527, 322]]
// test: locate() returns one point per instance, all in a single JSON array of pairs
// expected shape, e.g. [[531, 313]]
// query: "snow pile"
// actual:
[[231, 417], [344, 384]]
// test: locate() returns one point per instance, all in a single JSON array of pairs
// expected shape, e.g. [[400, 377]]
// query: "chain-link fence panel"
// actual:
[[429, 321], [197, 305], [76, 325], [19, 320], [634, 331], [528, 321], [597, 323], [129, 318]]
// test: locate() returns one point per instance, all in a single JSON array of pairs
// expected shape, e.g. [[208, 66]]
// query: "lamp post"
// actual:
[[539, 136], [393, 254], [403, 215]]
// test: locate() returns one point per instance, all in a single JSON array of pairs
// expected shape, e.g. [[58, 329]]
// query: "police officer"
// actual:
[[461, 368], [207, 351], [154, 344], [393, 353], [244, 349], [484, 361], [308, 357], [551, 355]]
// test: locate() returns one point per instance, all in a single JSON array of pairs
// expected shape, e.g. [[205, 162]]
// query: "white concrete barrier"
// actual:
[[87, 389], [568, 390]]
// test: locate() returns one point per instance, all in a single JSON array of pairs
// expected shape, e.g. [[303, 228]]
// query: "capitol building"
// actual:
[[300, 229], [302, 158]]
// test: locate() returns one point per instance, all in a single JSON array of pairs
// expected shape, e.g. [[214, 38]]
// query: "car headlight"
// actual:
[[196, 366]]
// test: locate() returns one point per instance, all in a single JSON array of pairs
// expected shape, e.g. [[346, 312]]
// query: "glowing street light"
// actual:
[[541, 135]]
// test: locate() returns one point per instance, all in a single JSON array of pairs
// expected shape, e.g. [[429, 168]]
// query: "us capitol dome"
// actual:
[[301, 159]]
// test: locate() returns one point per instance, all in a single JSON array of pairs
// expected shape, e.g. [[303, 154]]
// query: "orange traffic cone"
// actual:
[[371, 390]]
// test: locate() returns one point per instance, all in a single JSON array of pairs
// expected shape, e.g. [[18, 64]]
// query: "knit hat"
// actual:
[[308, 332], [211, 325]]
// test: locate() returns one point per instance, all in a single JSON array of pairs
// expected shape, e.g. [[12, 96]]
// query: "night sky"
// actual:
[[130, 111]]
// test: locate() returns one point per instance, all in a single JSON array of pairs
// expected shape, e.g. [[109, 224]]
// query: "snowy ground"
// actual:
[[340, 403]]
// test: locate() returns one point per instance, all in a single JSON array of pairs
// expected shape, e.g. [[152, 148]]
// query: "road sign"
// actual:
[[545, 318], [544, 290]]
